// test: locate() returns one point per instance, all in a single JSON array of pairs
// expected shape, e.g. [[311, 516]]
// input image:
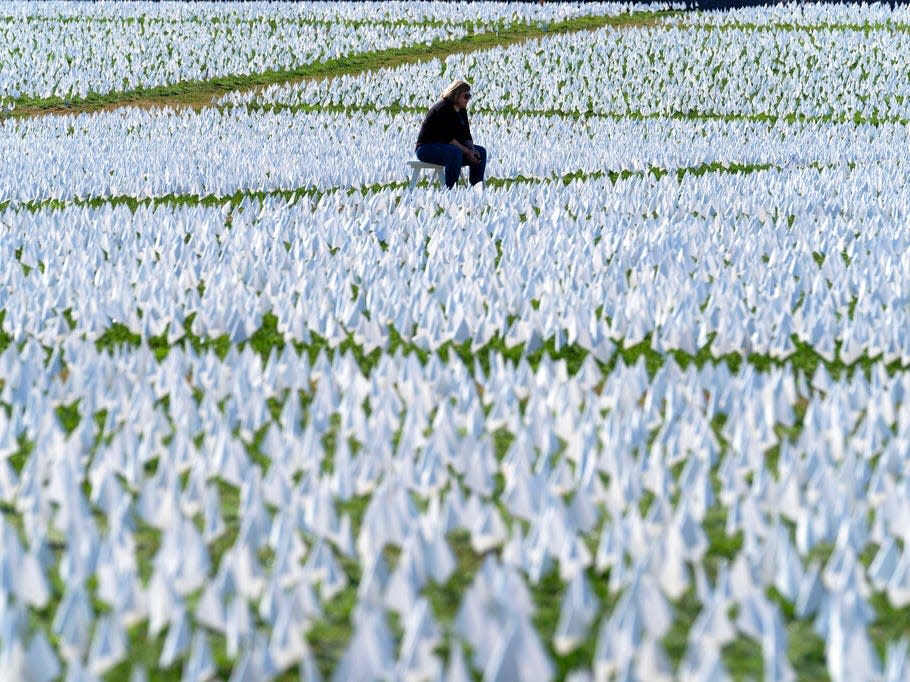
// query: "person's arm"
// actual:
[[469, 141], [467, 150]]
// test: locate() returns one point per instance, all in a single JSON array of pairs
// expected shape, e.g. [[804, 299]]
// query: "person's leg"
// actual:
[[477, 169], [447, 155]]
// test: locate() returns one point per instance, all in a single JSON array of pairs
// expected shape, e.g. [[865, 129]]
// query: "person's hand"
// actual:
[[474, 156]]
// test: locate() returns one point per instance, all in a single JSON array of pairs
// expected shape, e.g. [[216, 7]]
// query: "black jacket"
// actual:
[[443, 124]]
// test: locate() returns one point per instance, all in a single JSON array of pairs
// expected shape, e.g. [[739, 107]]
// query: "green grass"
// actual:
[[330, 635], [446, 598], [5, 337], [267, 339], [68, 416], [805, 649], [118, 334]]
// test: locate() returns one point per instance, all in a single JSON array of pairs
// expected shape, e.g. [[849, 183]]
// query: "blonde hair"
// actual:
[[455, 90]]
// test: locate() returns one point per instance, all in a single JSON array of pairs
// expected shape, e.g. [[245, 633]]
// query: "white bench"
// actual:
[[418, 166]]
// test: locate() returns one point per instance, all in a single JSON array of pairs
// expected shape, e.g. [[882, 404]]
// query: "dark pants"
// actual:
[[450, 156]]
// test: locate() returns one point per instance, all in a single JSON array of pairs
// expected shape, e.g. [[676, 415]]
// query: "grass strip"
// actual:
[[795, 27], [295, 194], [198, 94], [268, 339], [855, 118]]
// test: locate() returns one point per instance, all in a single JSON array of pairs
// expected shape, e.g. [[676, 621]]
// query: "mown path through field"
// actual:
[[199, 94]]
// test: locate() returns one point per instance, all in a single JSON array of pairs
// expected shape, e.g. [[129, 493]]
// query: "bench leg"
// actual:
[[414, 175]]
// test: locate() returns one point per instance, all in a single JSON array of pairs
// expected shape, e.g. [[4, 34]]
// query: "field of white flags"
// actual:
[[636, 408], [69, 50]]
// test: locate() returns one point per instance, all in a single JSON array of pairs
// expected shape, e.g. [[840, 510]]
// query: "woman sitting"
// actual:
[[445, 136]]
